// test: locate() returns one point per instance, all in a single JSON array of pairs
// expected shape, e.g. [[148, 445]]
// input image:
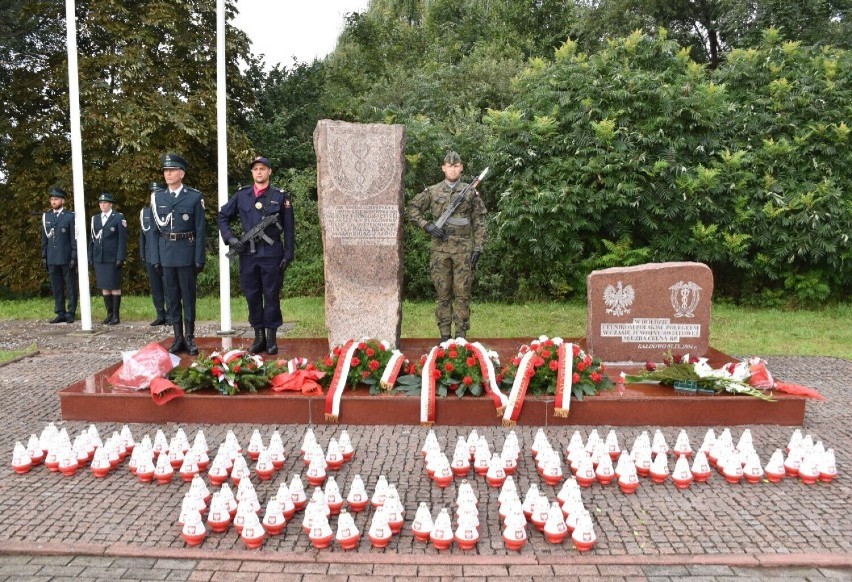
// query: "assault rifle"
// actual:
[[458, 199], [252, 236]]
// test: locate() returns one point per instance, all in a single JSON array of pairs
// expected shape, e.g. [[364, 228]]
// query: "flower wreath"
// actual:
[[368, 361], [461, 367], [229, 373], [551, 366]]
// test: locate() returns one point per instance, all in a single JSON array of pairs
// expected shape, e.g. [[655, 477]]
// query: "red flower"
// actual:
[[524, 349], [370, 352], [453, 387], [355, 362], [374, 364], [216, 361], [537, 361], [588, 361], [328, 362], [545, 354], [336, 350], [467, 380], [237, 369], [440, 353], [310, 367], [423, 359], [499, 378], [362, 346], [364, 374], [650, 366], [530, 372], [581, 366], [217, 372], [449, 367], [471, 361], [576, 350], [554, 365], [412, 369], [575, 378], [516, 361], [547, 344], [453, 354], [596, 378]]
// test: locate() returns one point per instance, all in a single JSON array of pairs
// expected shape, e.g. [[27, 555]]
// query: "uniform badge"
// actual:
[[258, 205], [185, 216], [64, 229], [112, 229]]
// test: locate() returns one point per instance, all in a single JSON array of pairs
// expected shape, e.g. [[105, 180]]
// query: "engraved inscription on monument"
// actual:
[[370, 224], [640, 313]]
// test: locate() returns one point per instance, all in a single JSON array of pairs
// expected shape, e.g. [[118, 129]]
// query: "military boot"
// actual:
[[271, 341], [108, 306], [116, 308], [191, 348], [179, 344], [259, 344]]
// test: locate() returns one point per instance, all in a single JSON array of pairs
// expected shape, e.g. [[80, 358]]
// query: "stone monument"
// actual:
[[359, 181], [638, 314]]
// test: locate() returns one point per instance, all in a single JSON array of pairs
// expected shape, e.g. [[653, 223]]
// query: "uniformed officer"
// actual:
[[107, 249], [178, 212], [59, 255], [148, 238], [456, 247], [262, 267]]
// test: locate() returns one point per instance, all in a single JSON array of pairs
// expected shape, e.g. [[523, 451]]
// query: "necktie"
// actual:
[[104, 218]]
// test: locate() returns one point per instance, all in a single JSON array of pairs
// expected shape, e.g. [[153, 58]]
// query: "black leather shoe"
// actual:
[[69, 317], [57, 319], [179, 345], [271, 341], [158, 321], [444, 338], [191, 348], [259, 344]]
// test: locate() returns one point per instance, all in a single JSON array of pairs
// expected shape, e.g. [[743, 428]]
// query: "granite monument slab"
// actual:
[[641, 313], [360, 171]]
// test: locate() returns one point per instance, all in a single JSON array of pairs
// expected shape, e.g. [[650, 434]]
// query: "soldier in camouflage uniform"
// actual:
[[456, 247]]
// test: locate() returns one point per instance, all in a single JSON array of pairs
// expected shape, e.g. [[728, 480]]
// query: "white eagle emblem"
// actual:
[[618, 299]]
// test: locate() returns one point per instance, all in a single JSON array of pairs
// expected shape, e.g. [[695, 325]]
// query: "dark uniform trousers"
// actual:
[[62, 277], [180, 292], [261, 279], [148, 239]]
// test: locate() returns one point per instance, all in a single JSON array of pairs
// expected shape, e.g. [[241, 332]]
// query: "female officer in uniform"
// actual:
[[107, 248]]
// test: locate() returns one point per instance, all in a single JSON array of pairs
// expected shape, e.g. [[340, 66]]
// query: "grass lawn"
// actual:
[[735, 330]]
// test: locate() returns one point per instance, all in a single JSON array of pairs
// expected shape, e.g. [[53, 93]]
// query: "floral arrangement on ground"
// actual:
[[539, 361]]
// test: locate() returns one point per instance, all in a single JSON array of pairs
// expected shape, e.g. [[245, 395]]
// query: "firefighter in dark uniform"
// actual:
[[263, 263], [148, 236], [107, 249], [178, 212], [59, 255]]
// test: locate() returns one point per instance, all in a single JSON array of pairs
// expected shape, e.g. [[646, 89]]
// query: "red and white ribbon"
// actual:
[[564, 374], [392, 370], [338, 381], [489, 378], [427, 388], [295, 364], [519, 390]]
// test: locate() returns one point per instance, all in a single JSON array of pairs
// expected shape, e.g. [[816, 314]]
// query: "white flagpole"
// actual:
[[222, 132], [77, 169]]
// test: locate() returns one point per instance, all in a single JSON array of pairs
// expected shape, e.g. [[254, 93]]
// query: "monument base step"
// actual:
[[94, 400]]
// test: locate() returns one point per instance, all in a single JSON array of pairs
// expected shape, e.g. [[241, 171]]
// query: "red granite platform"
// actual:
[[93, 399]]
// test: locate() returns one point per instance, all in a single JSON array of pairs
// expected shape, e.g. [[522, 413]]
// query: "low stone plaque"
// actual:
[[359, 180], [638, 314]]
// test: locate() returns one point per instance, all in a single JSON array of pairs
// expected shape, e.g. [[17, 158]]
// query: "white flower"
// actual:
[[385, 344], [543, 338], [557, 341], [493, 356]]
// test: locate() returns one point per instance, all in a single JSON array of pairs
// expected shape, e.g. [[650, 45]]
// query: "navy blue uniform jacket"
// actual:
[[61, 246], [273, 200]]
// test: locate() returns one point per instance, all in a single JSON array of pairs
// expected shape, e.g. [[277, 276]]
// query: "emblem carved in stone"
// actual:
[[685, 297], [360, 165], [618, 299]]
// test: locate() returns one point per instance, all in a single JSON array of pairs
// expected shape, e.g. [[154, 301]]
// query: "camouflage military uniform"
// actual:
[[452, 272]]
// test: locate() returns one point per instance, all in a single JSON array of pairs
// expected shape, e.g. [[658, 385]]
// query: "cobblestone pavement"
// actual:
[[54, 527]]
